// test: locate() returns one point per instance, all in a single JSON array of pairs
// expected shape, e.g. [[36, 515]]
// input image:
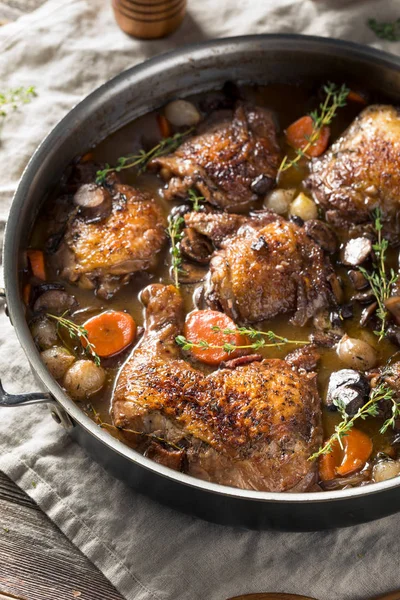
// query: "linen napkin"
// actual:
[[149, 552]]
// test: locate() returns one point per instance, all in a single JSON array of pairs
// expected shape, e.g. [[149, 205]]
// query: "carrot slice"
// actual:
[[199, 327], [110, 332], [26, 293], [88, 157], [327, 463], [355, 97], [357, 448], [165, 127], [36, 259], [299, 132]]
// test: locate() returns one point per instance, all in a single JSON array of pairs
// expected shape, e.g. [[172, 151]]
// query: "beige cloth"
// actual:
[[67, 48]]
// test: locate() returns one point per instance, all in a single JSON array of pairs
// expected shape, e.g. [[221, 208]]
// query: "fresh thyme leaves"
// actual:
[[381, 393], [195, 199], [142, 158], [272, 339], [152, 436], [14, 98], [175, 234], [385, 31], [379, 280], [336, 97], [77, 332]]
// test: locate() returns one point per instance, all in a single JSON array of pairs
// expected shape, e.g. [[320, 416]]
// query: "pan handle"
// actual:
[[7, 399], [57, 412]]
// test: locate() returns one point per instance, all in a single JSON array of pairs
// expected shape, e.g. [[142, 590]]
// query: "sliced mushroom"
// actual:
[[192, 273], [358, 280], [392, 304], [55, 302], [196, 246], [350, 387], [262, 184], [393, 334], [364, 297], [336, 285], [321, 233], [368, 313], [94, 202], [356, 251]]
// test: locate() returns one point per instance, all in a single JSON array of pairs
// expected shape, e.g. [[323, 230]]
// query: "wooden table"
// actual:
[[37, 562]]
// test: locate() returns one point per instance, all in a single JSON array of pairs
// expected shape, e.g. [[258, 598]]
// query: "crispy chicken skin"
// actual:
[[361, 171], [104, 255], [229, 162], [264, 266], [251, 427]]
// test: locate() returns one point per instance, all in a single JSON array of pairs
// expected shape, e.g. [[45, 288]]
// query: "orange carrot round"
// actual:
[[164, 125], [110, 332], [357, 448], [299, 133], [199, 327], [356, 97], [36, 260]]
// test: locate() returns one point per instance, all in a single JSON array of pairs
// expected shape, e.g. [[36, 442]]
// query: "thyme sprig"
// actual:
[[142, 158], [378, 279], [385, 31], [77, 332], [263, 339], [381, 393], [195, 199], [103, 425], [14, 98], [336, 97], [175, 234]]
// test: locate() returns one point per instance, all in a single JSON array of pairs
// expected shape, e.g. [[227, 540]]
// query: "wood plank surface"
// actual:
[[37, 562]]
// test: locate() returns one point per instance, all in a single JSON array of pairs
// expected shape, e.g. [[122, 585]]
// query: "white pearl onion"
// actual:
[[84, 379], [386, 469], [303, 207], [356, 354], [182, 113], [279, 200]]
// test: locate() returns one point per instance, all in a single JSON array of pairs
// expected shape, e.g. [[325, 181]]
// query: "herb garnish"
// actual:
[[175, 234], [379, 281], [335, 98], [14, 98], [385, 31], [195, 199], [142, 158], [256, 334], [77, 332], [381, 392]]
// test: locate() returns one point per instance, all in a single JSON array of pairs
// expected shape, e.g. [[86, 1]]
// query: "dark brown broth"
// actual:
[[289, 103]]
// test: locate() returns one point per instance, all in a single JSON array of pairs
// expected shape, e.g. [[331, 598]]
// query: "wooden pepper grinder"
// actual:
[[149, 19]]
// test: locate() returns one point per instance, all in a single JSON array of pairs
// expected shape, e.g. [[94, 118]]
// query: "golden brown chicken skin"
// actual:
[[264, 266], [105, 254], [229, 162], [252, 427], [361, 171]]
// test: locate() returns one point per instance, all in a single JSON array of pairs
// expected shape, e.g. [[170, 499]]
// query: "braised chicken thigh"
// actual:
[[251, 427], [264, 266], [230, 162], [361, 171], [104, 253]]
